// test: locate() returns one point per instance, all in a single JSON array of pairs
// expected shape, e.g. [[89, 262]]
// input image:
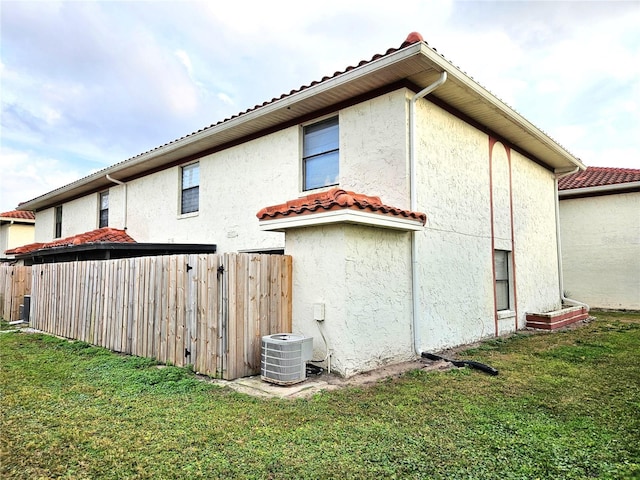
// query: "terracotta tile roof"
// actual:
[[599, 176], [336, 199], [101, 235], [18, 214]]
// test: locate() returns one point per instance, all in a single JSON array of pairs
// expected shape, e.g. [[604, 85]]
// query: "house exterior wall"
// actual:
[[479, 197], [374, 149], [14, 235], [601, 250], [237, 182], [536, 257], [362, 276], [78, 216]]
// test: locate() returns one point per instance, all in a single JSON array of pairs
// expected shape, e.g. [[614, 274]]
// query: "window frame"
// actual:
[[331, 121], [57, 222], [502, 279], [101, 209], [189, 190]]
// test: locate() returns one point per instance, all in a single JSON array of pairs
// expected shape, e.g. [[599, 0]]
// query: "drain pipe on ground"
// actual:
[[414, 204], [564, 300], [125, 196]]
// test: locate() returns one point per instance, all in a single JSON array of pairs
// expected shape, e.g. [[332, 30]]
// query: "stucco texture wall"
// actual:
[[361, 275], [14, 235], [234, 185], [373, 149], [78, 216], [237, 182], [536, 259], [601, 250], [454, 251], [477, 202]]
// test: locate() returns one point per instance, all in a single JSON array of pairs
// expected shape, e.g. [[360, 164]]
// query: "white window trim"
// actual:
[[510, 311], [301, 165], [180, 190]]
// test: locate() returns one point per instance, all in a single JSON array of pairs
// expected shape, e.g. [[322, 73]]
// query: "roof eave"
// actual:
[[599, 190]]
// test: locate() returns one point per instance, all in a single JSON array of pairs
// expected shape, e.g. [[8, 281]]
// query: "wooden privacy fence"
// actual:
[[209, 311], [15, 283]]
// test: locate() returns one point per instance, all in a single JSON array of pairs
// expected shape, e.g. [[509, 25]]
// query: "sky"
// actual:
[[87, 84]]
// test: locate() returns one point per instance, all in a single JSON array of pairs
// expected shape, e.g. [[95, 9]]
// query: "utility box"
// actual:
[[25, 308]]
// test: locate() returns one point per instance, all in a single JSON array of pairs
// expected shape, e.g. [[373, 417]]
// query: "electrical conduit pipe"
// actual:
[[415, 285]]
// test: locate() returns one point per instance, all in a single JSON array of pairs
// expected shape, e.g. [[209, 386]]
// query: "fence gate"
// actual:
[[15, 283], [208, 310]]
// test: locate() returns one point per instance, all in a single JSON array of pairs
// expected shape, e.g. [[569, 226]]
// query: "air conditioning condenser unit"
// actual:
[[284, 358]]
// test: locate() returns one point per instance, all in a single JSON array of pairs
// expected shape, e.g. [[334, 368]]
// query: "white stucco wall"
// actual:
[[374, 149], [461, 190], [361, 274], [44, 225], [236, 183], [601, 250], [78, 216], [536, 259], [454, 251]]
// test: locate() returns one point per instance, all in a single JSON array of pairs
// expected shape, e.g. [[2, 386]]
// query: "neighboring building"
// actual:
[[16, 228], [415, 222], [600, 231]]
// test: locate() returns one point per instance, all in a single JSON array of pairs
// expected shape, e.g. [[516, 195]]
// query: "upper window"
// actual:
[[320, 156], [190, 199], [58, 227], [104, 210], [501, 261]]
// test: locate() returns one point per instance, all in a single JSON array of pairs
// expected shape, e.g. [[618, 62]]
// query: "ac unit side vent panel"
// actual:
[[284, 358]]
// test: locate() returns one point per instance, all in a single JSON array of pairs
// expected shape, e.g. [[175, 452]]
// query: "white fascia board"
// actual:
[[341, 216], [617, 187]]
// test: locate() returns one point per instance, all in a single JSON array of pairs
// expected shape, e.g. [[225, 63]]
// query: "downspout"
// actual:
[[125, 196], [414, 204], [563, 299]]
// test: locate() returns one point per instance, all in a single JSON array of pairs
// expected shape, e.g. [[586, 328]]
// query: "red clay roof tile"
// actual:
[[599, 176], [18, 214], [336, 199], [101, 235]]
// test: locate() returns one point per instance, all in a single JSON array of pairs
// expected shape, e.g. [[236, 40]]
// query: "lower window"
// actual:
[[503, 291]]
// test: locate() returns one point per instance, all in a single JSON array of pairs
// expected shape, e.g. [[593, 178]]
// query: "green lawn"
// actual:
[[565, 405]]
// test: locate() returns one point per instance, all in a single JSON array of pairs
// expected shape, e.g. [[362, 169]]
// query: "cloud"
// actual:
[[23, 179], [89, 84]]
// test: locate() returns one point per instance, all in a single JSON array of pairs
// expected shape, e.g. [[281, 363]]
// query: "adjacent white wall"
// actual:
[[15, 234], [601, 250]]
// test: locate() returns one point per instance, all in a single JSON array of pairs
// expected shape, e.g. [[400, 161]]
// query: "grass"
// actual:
[[565, 405]]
